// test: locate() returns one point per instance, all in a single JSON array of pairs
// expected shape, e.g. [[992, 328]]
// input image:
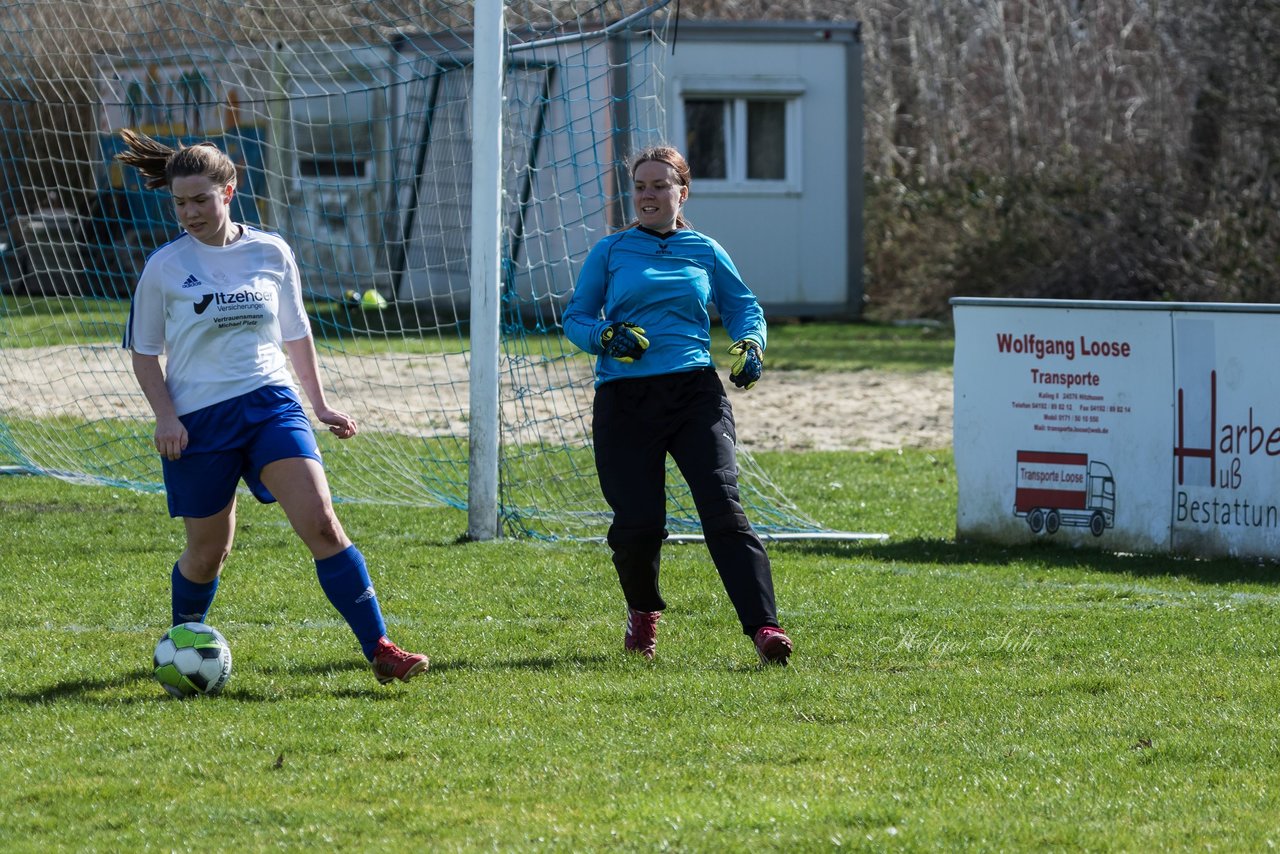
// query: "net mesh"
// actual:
[[350, 126]]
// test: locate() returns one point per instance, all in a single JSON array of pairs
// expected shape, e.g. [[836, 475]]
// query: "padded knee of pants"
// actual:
[[636, 539], [732, 522]]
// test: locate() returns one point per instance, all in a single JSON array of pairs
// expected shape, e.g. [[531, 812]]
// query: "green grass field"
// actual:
[[944, 696]]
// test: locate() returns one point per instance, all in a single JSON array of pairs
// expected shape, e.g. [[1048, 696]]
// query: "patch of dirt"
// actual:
[[833, 411], [787, 410]]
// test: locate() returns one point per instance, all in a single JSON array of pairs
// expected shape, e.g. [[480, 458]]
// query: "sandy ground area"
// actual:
[[858, 410], [787, 410]]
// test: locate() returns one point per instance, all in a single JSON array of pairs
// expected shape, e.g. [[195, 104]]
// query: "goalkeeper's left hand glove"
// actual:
[[749, 364], [623, 341]]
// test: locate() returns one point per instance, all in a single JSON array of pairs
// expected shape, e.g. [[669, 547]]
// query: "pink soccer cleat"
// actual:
[[391, 662], [642, 632], [773, 646]]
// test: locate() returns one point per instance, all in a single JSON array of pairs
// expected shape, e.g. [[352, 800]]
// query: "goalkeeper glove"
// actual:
[[624, 341], [749, 364]]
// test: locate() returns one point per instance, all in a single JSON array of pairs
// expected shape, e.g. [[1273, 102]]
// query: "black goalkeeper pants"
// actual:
[[637, 422]]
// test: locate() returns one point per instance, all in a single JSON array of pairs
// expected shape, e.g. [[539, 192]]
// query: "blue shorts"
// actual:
[[232, 440]]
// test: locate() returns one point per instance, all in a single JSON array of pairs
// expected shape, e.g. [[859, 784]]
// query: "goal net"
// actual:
[[350, 124]]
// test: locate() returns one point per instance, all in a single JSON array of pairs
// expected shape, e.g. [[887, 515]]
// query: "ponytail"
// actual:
[[160, 164]]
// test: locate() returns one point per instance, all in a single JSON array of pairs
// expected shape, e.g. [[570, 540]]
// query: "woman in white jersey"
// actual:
[[223, 303]]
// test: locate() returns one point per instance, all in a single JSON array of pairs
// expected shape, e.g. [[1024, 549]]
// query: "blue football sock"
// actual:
[[345, 580], [191, 599]]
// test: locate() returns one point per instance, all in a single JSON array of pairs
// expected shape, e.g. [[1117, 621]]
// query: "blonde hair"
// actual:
[[160, 164], [671, 156]]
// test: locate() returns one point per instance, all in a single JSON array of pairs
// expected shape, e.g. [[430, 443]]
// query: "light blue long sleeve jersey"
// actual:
[[663, 285]]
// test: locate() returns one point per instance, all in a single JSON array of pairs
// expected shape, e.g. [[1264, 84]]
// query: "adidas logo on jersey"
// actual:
[[191, 282]]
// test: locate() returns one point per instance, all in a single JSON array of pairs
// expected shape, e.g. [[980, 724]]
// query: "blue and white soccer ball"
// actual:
[[192, 659]]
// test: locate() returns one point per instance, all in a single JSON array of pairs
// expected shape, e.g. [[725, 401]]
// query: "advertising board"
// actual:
[[1124, 426]]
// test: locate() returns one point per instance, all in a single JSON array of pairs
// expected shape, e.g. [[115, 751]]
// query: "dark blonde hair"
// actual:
[[671, 156], [160, 164]]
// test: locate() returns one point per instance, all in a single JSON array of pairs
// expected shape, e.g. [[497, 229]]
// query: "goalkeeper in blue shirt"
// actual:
[[641, 305]]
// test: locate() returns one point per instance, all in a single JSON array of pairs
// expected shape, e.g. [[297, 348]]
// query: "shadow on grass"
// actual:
[[302, 678], [103, 691], [438, 665], [1049, 556], [84, 689], [541, 662]]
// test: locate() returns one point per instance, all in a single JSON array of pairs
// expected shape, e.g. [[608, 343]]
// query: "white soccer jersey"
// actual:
[[220, 314]]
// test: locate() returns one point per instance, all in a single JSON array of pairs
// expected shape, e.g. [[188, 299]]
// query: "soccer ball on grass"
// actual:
[[192, 659]]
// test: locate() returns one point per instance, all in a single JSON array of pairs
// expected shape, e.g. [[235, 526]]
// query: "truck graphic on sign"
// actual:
[[1055, 489]]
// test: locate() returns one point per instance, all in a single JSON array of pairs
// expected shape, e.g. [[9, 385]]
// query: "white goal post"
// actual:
[[486, 209]]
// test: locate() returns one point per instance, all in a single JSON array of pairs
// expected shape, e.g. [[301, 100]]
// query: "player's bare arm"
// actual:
[[302, 355], [170, 435]]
